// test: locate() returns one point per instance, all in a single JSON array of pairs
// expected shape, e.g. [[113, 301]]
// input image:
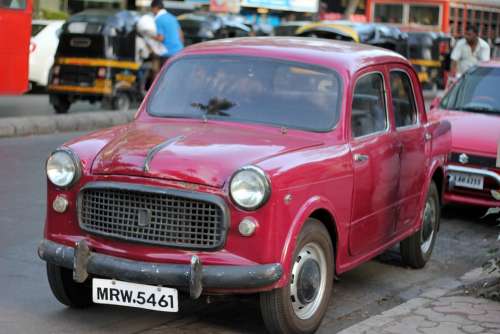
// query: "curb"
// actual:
[[375, 322], [38, 125]]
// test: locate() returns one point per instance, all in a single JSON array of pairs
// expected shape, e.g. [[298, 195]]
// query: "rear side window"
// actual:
[[369, 114], [36, 28], [403, 102]]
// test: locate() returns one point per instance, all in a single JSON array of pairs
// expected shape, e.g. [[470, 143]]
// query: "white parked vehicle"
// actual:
[[43, 45]]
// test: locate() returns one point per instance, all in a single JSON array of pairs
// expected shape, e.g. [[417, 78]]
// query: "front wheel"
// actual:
[[66, 290], [416, 250], [300, 306]]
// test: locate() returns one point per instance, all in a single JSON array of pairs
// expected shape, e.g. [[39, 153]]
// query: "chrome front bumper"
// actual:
[[192, 277], [478, 171]]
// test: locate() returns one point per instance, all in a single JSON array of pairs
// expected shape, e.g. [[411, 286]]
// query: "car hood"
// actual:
[[472, 132], [192, 152]]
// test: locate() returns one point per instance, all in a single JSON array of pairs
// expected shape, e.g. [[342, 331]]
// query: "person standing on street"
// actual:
[[468, 51], [168, 31]]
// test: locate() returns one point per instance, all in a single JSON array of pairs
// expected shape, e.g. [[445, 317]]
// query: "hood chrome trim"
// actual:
[[152, 152]]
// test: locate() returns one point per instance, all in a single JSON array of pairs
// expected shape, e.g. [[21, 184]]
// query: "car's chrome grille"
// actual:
[[161, 218]]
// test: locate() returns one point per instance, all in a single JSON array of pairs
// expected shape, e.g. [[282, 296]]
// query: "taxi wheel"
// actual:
[[416, 250], [61, 104], [67, 291], [300, 306], [121, 101]]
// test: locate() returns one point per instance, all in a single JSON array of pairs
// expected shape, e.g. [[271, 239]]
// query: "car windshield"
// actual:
[[249, 89], [36, 28], [477, 91]]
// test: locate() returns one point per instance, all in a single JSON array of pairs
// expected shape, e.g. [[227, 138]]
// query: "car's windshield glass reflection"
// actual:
[[245, 89]]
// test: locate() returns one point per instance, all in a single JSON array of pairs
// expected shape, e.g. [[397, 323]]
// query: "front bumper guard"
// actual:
[[477, 171], [194, 276]]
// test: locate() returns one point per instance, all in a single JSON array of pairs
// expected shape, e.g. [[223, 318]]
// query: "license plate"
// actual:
[[468, 180], [111, 292]]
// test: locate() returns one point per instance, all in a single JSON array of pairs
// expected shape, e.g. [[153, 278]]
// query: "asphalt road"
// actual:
[[27, 306], [37, 105]]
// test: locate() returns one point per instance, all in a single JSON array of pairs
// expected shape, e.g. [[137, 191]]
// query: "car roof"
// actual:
[[46, 22], [491, 63], [344, 56]]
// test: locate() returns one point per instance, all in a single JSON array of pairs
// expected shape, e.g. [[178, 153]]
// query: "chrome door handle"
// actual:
[[360, 157]]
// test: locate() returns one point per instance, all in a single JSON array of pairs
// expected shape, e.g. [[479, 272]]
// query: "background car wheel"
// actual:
[[300, 306], [416, 250], [60, 103], [67, 291], [121, 101]]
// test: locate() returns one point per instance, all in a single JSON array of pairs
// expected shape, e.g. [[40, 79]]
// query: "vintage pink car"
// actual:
[[254, 165], [472, 106]]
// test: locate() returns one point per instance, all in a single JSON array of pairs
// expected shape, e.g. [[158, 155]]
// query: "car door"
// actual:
[[375, 159], [411, 136]]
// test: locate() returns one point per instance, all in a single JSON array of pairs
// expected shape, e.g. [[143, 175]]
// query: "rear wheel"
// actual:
[[416, 250], [300, 306], [60, 103], [66, 290]]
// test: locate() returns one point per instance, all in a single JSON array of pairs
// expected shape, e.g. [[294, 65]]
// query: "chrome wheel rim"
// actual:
[[308, 281], [428, 226]]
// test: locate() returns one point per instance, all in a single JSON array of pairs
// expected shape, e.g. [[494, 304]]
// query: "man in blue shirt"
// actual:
[[168, 30]]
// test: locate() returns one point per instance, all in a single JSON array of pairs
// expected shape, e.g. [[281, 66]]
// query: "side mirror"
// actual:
[[435, 103]]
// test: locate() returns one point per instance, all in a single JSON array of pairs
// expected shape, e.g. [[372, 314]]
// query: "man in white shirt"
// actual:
[[468, 52]]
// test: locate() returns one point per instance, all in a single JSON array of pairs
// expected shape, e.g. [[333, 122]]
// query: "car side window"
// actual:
[[369, 113], [403, 102], [13, 4]]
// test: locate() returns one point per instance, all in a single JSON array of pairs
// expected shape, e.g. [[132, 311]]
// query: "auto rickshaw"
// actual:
[[380, 35], [201, 27], [429, 53], [97, 60], [289, 28]]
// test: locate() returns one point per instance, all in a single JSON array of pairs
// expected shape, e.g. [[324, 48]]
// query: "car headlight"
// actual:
[[63, 168], [249, 188]]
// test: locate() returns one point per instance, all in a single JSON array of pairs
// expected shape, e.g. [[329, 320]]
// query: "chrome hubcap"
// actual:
[[308, 281], [428, 226]]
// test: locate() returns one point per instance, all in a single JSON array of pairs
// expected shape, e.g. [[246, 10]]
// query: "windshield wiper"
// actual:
[[215, 106]]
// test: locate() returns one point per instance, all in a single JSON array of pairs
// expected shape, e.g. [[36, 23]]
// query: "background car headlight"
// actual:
[[249, 188], [63, 168]]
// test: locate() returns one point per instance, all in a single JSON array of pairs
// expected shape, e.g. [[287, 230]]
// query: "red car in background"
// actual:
[[472, 106], [254, 165]]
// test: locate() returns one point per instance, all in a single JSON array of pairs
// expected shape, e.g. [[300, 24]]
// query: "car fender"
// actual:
[[437, 162], [312, 204]]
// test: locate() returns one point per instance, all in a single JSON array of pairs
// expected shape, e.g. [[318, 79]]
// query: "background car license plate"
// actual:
[[468, 180], [111, 292]]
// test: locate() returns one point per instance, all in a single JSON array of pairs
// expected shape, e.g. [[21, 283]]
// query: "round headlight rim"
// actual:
[[76, 161], [267, 186]]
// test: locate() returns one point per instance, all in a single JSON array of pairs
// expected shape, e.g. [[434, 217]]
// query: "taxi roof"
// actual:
[[343, 56]]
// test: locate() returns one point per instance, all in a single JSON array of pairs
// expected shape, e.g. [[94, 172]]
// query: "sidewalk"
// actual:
[[438, 311], [37, 125]]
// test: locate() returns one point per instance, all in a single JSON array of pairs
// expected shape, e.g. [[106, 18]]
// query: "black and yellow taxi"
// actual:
[[97, 60]]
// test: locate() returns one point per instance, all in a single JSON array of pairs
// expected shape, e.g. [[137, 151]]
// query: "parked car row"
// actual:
[[254, 166]]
